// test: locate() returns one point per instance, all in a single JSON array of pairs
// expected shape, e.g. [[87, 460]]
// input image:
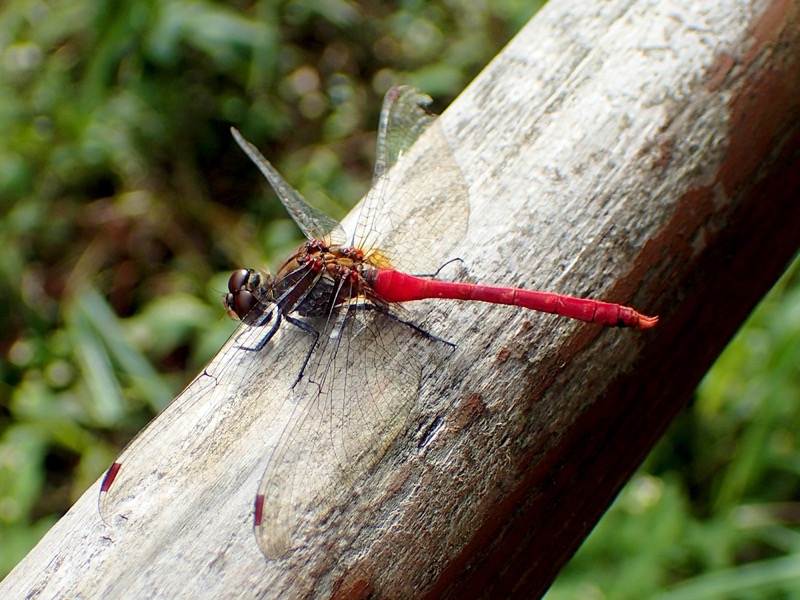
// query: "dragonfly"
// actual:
[[335, 308]]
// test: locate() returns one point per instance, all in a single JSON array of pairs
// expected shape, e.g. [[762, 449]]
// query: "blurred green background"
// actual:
[[126, 204]]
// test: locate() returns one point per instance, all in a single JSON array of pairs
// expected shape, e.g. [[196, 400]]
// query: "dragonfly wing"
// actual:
[[421, 204], [197, 443], [353, 401], [314, 223], [404, 116]]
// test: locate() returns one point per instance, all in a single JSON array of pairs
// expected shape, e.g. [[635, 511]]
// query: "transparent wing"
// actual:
[[404, 116], [197, 441], [314, 223], [417, 200], [412, 204], [353, 401]]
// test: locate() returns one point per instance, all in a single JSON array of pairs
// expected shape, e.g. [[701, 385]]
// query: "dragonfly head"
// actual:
[[247, 289]]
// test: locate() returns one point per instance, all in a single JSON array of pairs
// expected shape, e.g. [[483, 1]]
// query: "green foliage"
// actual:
[[125, 202]]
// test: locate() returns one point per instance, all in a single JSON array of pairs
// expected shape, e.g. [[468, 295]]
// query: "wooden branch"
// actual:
[[633, 152]]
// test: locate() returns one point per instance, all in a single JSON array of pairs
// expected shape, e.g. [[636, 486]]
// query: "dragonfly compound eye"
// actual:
[[238, 280], [242, 303]]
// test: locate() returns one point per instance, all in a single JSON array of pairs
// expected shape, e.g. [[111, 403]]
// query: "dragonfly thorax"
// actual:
[[319, 278], [315, 280]]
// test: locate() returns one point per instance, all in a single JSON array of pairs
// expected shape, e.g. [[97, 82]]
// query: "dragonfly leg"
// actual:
[[311, 331], [268, 336], [423, 332], [440, 269]]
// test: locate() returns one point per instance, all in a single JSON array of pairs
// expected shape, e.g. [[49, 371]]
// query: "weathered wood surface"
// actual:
[[633, 151]]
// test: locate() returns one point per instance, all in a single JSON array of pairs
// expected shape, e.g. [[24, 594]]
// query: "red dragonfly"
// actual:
[[337, 293]]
